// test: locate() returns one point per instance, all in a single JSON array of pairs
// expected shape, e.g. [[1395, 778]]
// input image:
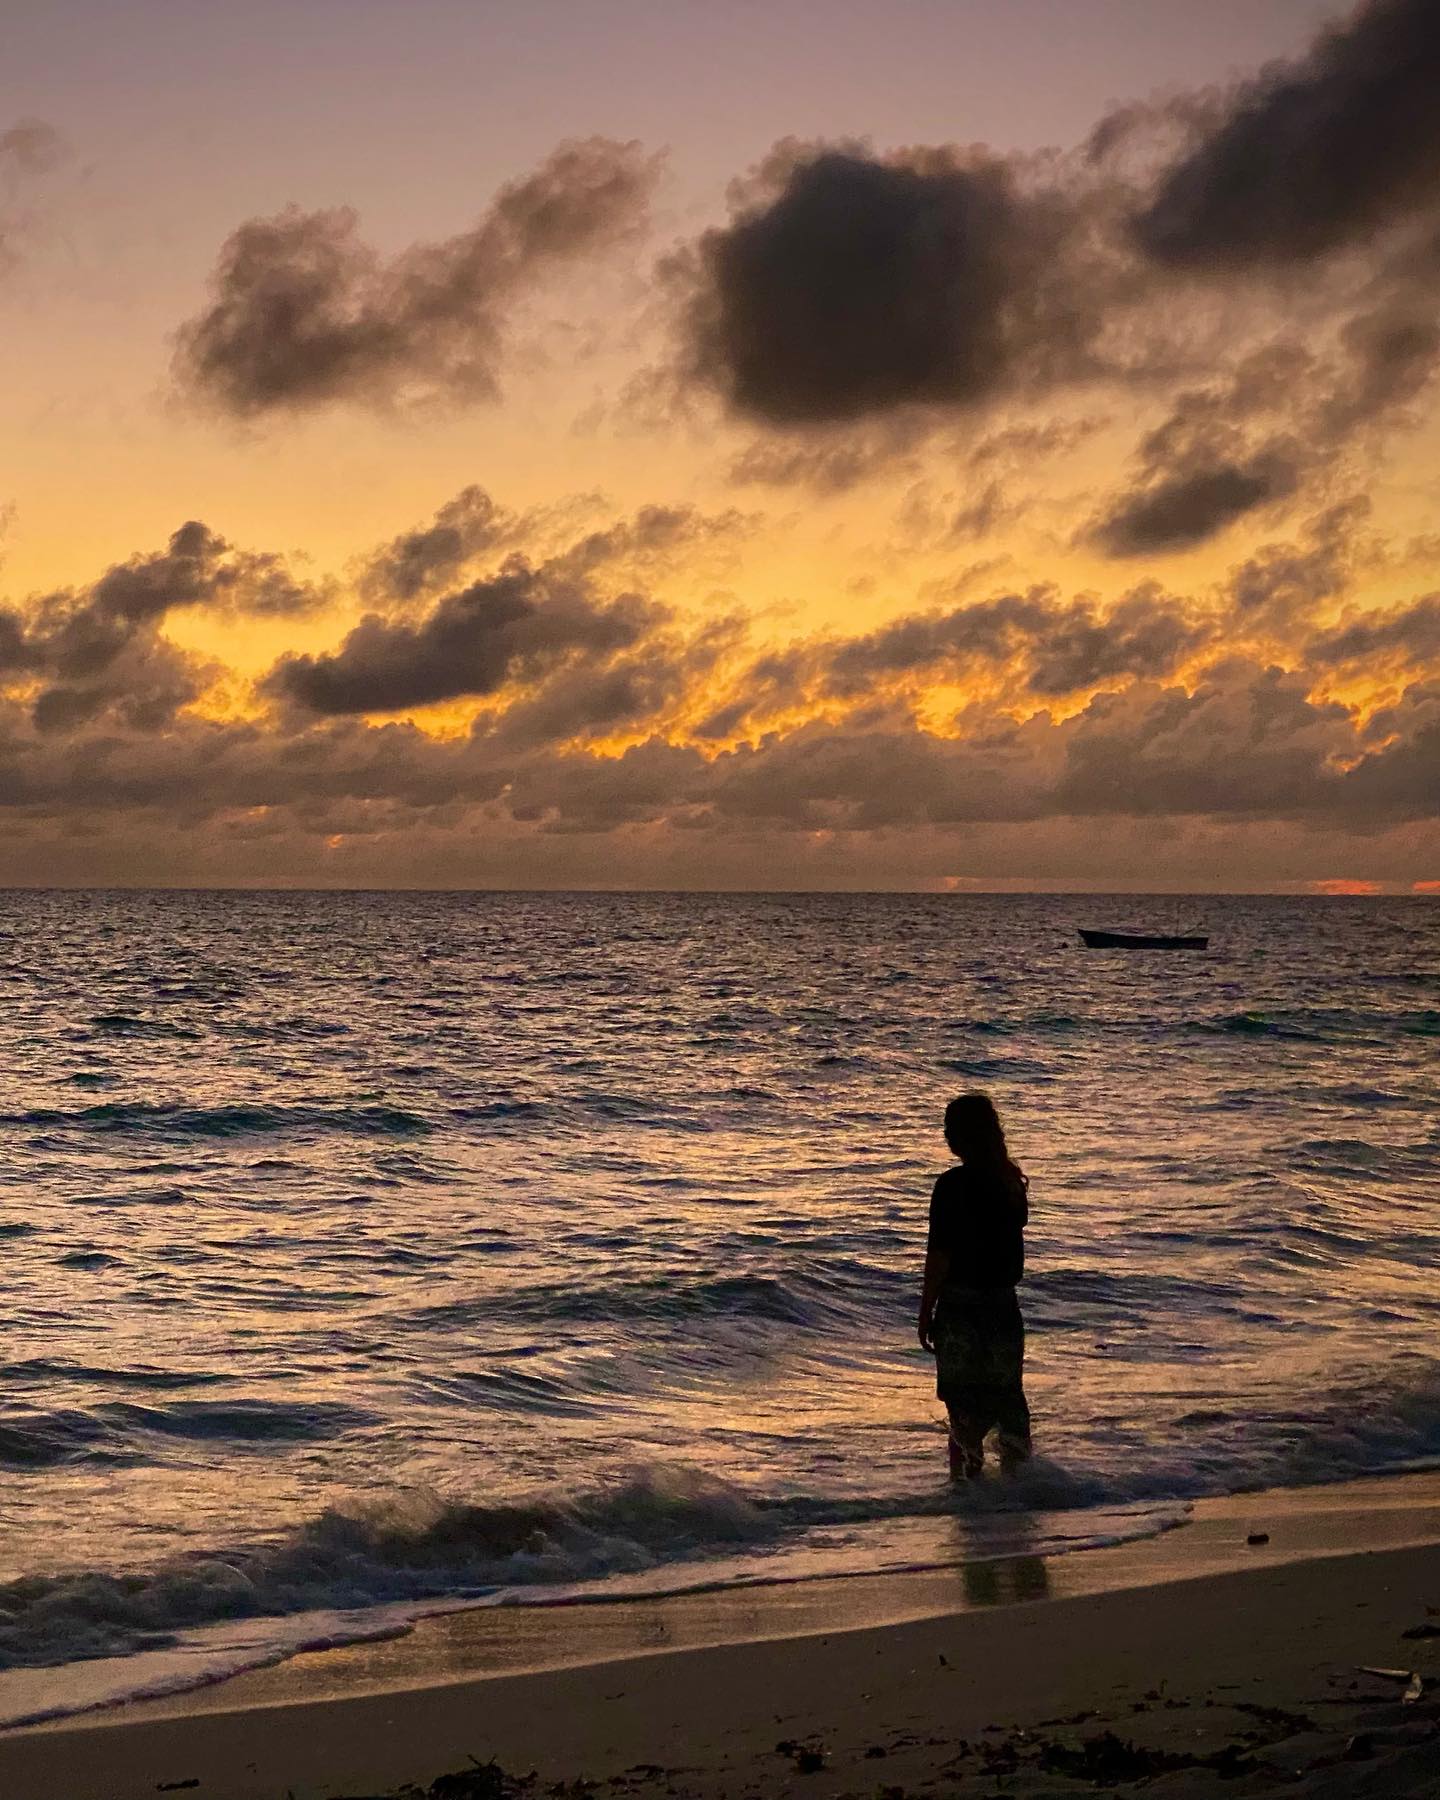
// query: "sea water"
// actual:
[[370, 1254]]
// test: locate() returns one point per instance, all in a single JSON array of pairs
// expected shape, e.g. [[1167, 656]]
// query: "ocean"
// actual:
[[370, 1254]]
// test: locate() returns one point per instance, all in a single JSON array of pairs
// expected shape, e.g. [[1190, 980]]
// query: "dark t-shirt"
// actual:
[[976, 1220]]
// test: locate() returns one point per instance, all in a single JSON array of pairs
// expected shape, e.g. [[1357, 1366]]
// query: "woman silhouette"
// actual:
[[969, 1316]]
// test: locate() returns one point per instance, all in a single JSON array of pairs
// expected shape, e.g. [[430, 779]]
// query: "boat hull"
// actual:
[[1134, 940]]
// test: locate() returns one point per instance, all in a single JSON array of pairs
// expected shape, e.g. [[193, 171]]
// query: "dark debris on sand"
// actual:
[[488, 1781], [1369, 1747]]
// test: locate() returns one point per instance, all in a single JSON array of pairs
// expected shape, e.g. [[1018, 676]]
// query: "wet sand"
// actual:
[[1195, 1663]]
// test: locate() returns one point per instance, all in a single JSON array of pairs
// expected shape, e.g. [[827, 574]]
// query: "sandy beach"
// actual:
[[1198, 1662]]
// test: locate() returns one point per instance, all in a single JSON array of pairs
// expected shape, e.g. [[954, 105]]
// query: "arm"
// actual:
[[937, 1267]]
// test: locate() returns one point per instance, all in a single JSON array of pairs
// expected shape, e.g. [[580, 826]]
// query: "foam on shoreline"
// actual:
[[454, 1642]]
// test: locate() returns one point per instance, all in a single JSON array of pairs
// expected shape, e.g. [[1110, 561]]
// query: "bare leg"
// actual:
[[1014, 1452], [1013, 1436], [967, 1446]]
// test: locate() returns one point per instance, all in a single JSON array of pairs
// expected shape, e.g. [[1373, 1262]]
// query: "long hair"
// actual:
[[974, 1132]]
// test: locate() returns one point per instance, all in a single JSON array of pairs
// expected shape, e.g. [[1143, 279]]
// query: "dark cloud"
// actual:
[[1279, 586], [139, 682], [304, 312], [1184, 506], [1023, 645], [1309, 156], [847, 285], [1389, 346], [1146, 634], [98, 650], [199, 568], [1219, 454], [1246, 742], [1056, 647], [1312, 153], [982, 513], [416, 562], [1284, 414], [635, 691], [857, 290], [654, 538], [1164, 718], [511, 626], [562, 622], [1409, 634]]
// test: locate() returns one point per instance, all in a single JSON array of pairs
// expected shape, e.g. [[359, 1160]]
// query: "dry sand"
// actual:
[[1235, 1669]]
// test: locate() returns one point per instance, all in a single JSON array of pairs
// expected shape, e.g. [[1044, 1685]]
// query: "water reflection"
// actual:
[[1012, 1578], [991, 1580]]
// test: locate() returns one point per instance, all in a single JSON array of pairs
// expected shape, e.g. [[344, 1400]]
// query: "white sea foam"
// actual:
[[371, 1572]]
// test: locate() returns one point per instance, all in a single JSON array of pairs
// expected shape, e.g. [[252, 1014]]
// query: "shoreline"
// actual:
[[366, 1718]]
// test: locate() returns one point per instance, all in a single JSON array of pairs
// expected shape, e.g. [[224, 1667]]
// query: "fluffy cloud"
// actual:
[[515, 625], [1278, 587], [82, 654], [847, 285], [304, 312], [1247, 741], [1340, 147], [599, 710], [1409, 635], [416, 562], [1313, 153], [1057, 647], [1284, 413], [564, 620], [1177, 507]]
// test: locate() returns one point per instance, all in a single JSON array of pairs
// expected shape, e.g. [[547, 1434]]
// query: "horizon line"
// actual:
[[1318, 891]]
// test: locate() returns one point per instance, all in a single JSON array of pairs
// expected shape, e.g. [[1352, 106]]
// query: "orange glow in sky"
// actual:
[[536, 494]]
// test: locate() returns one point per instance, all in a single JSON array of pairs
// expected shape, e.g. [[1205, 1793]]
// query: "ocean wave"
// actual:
[[986, 1068], [117, 1431], [221, 1121], [836, 1291], [62, 1435], [368, 1567], [1020, 1024], [45, 1369], [673, 1528], [1255, 1024], [1326, 1024], [673, 1525], [284, 1028], [133, 1025], [515, 1183]]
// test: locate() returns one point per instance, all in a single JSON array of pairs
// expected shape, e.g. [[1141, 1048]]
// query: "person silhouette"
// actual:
[[969, 1315]]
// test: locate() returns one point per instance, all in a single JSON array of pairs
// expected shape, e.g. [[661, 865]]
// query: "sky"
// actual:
[[930, 445]]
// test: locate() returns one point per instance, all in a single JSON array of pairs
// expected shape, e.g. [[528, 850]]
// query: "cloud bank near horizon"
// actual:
[[593, 709]]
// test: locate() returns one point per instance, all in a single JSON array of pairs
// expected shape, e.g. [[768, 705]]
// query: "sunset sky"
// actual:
[[822, 443]]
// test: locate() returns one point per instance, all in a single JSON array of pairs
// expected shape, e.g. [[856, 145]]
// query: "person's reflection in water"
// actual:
[[969, 1316], [1011, 1578], [1020, 1574]]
